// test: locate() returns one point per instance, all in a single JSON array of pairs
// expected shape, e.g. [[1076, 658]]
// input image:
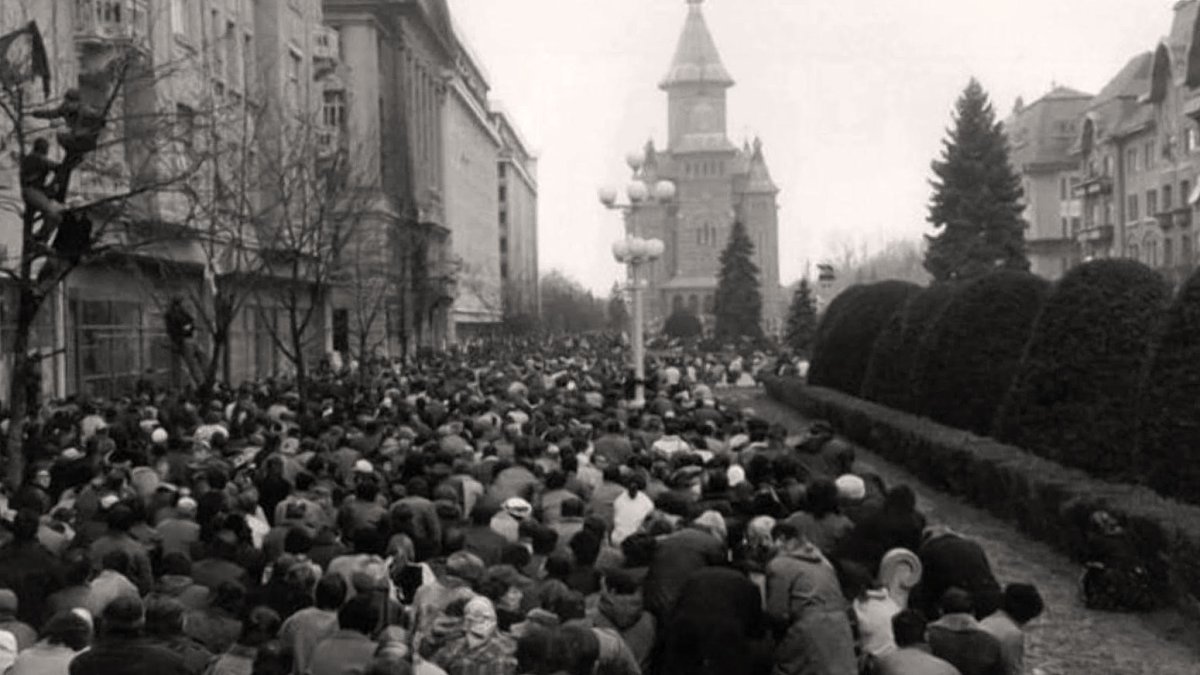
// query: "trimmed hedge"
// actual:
[[889, 370], [1045, 499], [1071, 398], [1169, 401], [848, 330], [968, 356]]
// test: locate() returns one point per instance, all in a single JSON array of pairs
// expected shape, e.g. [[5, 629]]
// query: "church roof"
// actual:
[[759, 180], [696, 58]]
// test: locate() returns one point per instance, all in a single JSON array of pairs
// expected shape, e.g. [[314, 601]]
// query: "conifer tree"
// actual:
[[802, 319], [738, 301], [976, 205]]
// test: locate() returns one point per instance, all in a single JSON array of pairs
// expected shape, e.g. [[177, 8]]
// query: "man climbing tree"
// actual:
[[976, 205], [738, 301]]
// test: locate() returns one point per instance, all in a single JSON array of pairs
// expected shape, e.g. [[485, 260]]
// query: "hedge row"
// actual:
[[1045, 499], [848, 331], [889, 373]]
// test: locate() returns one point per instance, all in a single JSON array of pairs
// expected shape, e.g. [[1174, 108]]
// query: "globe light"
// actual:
[[621, 250], [608, 195], [637, 192], [664, 191], [635, 159], [655, 248]]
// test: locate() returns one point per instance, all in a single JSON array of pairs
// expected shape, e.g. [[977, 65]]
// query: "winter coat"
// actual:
[[626, 615], [959, 639], [913, 661], [676, 557], [716, 628], [127, 656], [803, 594], [33, 574], [953, 561]]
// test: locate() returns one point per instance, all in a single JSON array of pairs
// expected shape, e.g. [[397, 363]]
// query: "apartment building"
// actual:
[[518, 195], [1040, 137]]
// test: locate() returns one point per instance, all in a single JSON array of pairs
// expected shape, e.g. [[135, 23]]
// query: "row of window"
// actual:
[[1152, 200], [1149, 252]]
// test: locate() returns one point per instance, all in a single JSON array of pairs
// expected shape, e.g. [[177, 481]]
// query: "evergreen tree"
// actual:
[[976, 206], [738, 301], [802, 319]]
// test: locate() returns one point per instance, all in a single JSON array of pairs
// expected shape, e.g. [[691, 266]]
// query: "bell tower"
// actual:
[[696, 85]]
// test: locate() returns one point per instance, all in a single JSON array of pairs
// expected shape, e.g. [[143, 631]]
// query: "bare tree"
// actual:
[[105, 137]]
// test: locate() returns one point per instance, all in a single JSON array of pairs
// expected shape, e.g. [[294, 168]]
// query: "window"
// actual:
[[503, 194], [185, 125], [1167, 201], [233, 66], [503, 169], [1108, 211], [1131, 165], [1185, 193], [333, 111], [1133, 252], [1148, 155], [504, 218], [1168, 252], [1191, 139], [1185, 250], [341, 330], [293, 79], [1131, 205], [1062, 188], [1074, 224], [504, 245], [249, 62], [1064, 227], [1151, 202], [1108, 165]]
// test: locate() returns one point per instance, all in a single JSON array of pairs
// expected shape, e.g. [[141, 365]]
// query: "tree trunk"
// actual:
[[23, 374]]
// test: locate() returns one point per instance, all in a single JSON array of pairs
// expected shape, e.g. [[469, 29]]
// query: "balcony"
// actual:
[[103, 23], [1177, 217], [1095, 184], [1095, 234], [325, 51]]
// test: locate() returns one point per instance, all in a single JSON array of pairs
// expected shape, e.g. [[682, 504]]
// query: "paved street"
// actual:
[[1068, 638]]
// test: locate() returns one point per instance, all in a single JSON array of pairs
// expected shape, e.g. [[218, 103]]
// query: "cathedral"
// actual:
[[716, 184]]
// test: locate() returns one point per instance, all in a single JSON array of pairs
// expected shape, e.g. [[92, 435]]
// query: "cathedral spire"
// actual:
[[696, 58]]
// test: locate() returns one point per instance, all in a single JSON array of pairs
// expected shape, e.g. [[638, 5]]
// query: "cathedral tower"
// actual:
[[716, 183]]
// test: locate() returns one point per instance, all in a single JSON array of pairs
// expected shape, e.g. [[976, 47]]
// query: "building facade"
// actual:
[[471, 152], [717, 183], [517, 219], [1040, 137], [1139, 155]]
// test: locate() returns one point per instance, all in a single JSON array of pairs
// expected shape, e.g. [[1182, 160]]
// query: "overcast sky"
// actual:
[[850, 97]]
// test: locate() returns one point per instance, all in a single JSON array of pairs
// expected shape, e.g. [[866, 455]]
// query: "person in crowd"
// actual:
[[64, 636], [351, 648], [1022, 603], [482, 649], [678, 555], [950, 560], [260, 627], [822, 522], [805, 604], [620, 608], [958, 637], [31, 571], [164, 626], [121, 648], [304, 630], [912, 655]]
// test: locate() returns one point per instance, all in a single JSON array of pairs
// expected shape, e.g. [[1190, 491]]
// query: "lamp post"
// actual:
[[634, 252]]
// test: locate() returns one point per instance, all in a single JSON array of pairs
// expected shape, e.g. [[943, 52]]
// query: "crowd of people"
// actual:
[[497, 510]]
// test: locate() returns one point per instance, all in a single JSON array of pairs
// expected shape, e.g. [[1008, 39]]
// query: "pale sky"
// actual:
[[850, 97]]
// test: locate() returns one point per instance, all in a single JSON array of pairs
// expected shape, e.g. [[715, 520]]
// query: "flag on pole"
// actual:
[[23, 57]]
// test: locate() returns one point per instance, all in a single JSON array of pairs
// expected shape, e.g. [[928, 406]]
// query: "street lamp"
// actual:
[[634, 252]]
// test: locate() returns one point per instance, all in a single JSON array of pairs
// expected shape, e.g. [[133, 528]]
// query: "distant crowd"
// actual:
[[498, 510]]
